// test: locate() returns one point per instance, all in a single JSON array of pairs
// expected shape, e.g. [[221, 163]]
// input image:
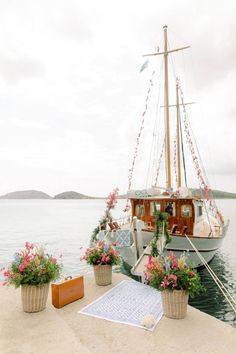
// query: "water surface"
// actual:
[[64, 226]]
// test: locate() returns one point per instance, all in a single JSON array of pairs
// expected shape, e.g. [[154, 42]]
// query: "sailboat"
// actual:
[[195, 224]]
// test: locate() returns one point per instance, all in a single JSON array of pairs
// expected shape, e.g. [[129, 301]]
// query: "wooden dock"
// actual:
[[64, 331]]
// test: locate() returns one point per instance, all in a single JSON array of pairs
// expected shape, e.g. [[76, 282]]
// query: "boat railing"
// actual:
[[123, 220]]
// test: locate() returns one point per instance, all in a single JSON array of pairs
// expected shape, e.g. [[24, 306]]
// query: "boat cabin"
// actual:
[[181, 213]]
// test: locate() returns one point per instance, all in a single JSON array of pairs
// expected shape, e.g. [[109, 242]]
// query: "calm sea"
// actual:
[[64, 226]]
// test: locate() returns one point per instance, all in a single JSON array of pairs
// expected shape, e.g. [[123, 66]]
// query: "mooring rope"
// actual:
[[218, 282]]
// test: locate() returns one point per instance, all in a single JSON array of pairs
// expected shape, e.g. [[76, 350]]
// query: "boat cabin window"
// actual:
[[154, 206], [199, 210], [186, 211], [139, 210], [170, 208]]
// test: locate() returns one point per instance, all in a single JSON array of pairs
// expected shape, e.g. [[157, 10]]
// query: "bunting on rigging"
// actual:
[[131, 170]]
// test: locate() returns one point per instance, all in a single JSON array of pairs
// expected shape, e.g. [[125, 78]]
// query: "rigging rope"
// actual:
[[198, 165], [131, 170], [220, 285], [155, 139], [192, 149]]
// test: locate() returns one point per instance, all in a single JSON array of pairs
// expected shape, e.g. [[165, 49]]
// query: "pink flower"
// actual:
[[21, 268], [166, 281], [29, 246], [171, 255], [147, 275], [174, 264], [7, 273]]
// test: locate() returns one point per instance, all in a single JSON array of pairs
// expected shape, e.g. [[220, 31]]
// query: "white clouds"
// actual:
[[71, 96], [13, 69]]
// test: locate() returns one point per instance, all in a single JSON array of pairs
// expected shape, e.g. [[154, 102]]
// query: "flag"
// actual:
[[144, 66]]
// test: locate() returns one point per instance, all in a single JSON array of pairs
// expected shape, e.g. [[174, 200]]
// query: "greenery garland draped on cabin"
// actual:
[[161, 225]]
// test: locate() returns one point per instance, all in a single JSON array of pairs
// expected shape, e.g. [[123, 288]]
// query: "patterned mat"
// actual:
[[129, 302]]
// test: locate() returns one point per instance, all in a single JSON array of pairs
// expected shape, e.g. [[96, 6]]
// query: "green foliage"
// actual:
[[154, 248], [102, 254], [161, 221], [32, 267], [170, 273]]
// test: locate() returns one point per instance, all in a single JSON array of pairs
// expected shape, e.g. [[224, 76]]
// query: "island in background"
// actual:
[[72, 195], [29, 194], [33, 194]]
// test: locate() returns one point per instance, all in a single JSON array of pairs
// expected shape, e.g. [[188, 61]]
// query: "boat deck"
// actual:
[[65, 331]]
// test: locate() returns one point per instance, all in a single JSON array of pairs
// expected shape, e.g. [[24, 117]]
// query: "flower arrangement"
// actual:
[[170, 273], [32, 266], [107, 217], [102, 254]]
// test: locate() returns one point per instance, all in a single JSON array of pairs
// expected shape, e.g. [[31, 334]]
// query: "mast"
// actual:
[[167, 114], [178, 137]]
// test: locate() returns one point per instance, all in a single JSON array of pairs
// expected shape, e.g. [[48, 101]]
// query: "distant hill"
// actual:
[[216, 194], [31, 194], [71, 195]]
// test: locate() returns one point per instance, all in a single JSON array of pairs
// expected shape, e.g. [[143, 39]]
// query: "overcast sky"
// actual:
[[72, 96]]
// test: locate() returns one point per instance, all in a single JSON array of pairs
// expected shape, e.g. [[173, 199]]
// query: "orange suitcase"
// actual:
[[67, 291]]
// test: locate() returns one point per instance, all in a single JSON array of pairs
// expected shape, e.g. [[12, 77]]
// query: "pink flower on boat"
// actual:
[[112, 199]]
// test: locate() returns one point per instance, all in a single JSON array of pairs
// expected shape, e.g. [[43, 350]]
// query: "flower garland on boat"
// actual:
[[161, 225], [195, 159], [196, 163], [159, 163], [111, 202]]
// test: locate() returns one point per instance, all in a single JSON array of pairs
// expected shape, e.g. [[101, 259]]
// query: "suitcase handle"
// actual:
[[68, 277]]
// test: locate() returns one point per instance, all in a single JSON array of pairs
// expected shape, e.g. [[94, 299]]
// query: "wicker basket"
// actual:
[[174, 303], [103, 274], [34, 298]]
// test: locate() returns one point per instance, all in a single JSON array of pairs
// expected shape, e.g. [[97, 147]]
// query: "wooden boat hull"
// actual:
[[207, 246]]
